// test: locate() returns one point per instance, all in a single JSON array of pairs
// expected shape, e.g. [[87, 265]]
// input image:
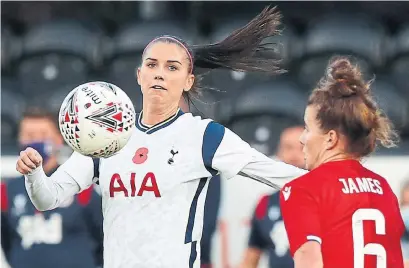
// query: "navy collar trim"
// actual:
[[149, 130]]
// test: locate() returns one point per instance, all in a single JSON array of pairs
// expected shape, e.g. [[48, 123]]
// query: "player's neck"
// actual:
[[152, 116], [337, 156]]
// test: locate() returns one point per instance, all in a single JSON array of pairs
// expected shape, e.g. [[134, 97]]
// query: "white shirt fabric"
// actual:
[[148, 226]]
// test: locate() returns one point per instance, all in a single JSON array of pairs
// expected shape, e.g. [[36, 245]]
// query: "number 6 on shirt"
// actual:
[[360, 249]]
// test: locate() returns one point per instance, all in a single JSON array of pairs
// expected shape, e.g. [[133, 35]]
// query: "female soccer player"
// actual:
[[153, 190], [341, 214]]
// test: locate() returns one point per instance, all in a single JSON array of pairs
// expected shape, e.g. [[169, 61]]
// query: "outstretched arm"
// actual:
[[234, 156], [73, 176], [268, 171]]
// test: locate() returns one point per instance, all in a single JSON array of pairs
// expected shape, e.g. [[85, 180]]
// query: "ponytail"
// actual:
[[243, 49]]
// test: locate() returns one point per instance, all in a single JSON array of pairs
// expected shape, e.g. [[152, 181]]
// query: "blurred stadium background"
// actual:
[[48, 48]]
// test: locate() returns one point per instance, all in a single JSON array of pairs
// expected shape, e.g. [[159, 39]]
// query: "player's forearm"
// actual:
[[269, 171], [47, 193]]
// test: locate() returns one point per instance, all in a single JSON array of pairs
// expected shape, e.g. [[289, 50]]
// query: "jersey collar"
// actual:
[[158, 126]]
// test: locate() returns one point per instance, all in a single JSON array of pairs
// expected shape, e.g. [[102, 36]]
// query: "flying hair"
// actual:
[[244, 50]]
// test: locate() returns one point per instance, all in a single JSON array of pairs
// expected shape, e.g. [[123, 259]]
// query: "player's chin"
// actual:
[[156, 95]]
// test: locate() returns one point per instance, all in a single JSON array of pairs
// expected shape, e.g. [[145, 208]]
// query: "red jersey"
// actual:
[[351, 211]]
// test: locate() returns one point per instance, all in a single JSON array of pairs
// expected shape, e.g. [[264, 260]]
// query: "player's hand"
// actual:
[[29, 160]]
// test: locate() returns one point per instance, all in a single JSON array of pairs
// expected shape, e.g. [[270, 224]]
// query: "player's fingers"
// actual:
[[23, 168], [26, 160], [34, 156]]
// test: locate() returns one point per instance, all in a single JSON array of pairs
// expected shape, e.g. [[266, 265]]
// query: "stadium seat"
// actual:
[[6, 46], [135, 36], [399, 59], [164, 10], [392, 102], [222, 11], [125, 53], [261, 112], [279, 96], [337, 34], [56, 54], [12, 107], [54, 98], [262, 132], [64, 36]]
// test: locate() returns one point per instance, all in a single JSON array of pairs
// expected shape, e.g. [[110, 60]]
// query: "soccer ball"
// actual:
[[96, 119]]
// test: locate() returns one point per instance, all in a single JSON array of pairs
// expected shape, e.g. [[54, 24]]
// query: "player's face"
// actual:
[[38, 130], [313, 139], [290, 149], [165, 74]]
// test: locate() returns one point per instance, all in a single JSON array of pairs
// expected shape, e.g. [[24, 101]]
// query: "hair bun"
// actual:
[[345, 80]]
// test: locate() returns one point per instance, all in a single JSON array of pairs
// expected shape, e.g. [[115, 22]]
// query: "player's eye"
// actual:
[[172, 68], [150, 64]]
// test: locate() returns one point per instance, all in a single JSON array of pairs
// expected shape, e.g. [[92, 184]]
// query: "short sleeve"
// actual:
[[301, 217], [223, 151], [80, 168]]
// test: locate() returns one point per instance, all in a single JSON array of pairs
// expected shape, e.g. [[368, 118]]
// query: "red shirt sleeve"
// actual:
[[300, 213]]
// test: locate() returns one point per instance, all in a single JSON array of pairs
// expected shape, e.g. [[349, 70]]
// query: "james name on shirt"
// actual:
[[361, 185]]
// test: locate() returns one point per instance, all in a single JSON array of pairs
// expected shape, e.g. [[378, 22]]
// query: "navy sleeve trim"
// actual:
[[96, 169], [212, 138], [192, 211]]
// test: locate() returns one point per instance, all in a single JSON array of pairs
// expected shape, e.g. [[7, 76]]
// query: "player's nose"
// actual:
[[159, 77], [159, 74]]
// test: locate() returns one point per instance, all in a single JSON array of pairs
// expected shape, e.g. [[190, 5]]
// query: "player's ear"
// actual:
[[189, 82], [138, 75], [331, 139]]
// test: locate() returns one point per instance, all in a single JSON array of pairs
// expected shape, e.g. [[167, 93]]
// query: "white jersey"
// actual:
[[154, 189]]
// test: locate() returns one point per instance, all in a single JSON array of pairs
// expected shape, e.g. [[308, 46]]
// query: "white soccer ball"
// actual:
[[97, 119]]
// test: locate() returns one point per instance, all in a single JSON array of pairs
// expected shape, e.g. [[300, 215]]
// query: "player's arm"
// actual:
[[230, 155], [269, 171], [256, 243], [308, 256], [47, 193], [301, 218]]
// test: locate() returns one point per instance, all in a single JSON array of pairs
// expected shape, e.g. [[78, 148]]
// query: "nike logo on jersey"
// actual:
[[286, 193]]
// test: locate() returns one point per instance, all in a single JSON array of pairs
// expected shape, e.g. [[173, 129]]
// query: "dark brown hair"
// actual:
[[242, 50], [345, 104]]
